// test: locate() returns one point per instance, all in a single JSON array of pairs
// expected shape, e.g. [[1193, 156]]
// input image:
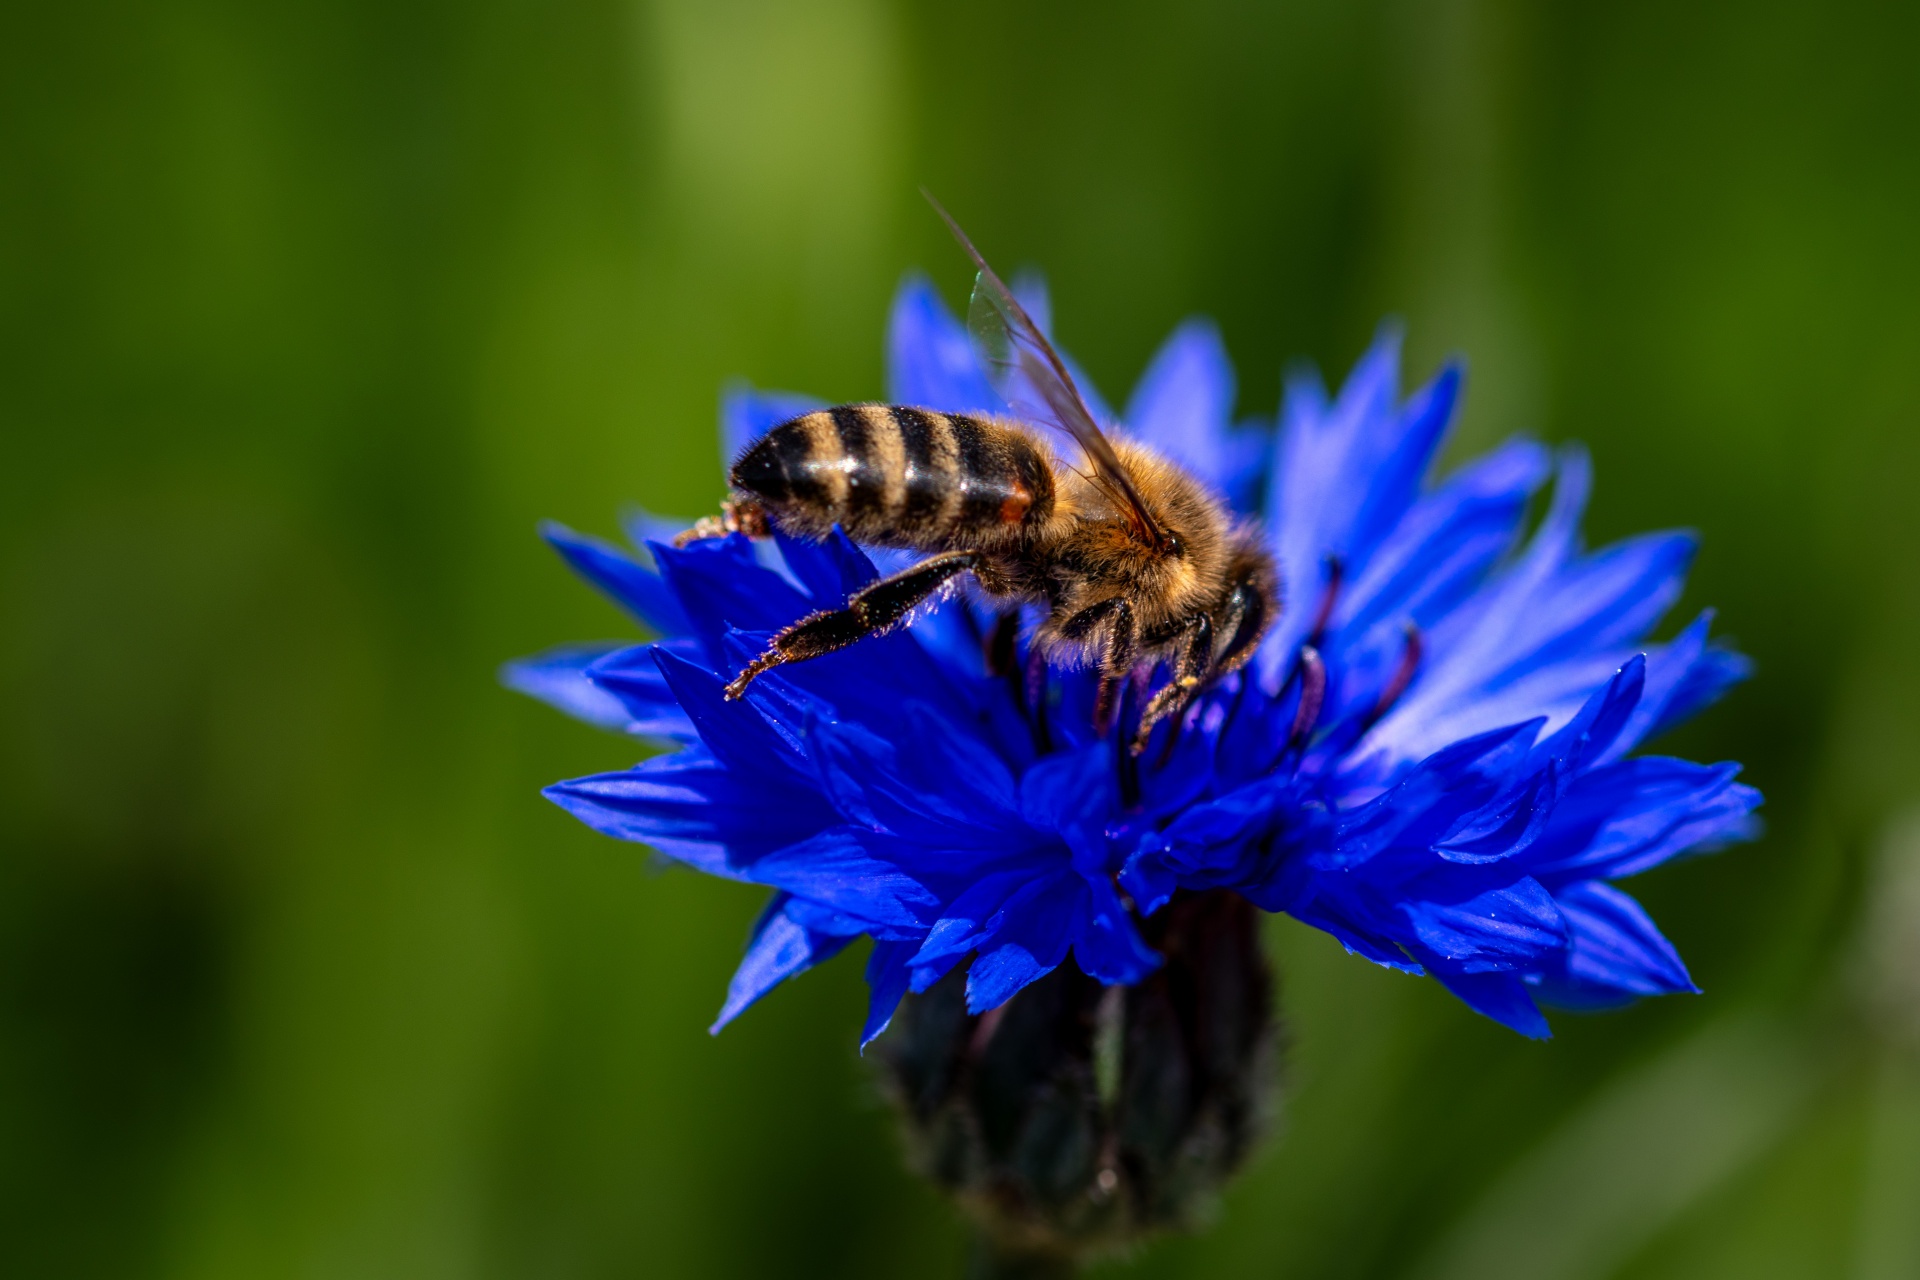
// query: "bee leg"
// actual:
[[737, 515], [1116, 661], [1242, 626], [1001, 642], [1116, 664], [872, 610], [1027, 680], [1032, 690], [703, 528], [1196, 664]]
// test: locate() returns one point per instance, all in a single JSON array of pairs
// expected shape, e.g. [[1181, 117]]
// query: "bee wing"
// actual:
[[1013, 343]]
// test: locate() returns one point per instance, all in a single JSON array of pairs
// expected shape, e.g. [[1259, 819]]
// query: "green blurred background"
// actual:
[[309, 311]]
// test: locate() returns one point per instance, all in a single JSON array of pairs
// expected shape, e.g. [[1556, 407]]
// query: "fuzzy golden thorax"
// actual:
[[1095, 555]]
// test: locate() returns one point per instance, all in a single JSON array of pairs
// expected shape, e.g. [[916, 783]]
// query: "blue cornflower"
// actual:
[[1430, 757]]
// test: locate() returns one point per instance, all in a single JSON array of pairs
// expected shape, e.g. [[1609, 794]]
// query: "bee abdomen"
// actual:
[[892, 474]]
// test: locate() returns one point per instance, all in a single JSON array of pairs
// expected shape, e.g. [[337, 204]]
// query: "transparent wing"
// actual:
[[1014, 345]]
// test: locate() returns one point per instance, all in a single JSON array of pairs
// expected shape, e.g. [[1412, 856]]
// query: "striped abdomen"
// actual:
[[893, 475]]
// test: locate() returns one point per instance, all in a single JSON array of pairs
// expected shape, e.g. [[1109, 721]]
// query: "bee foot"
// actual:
[[703, 528], [737, 687], [736, 516]]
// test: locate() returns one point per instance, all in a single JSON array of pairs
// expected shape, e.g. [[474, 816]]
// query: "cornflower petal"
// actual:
[[973, 917], [887, 979], [1617, 954], [1105, 942], [559, 678], [1632, 815], [722, 586], [695, 809], [632, 675], [642, 527], [1502, 996], [855, 872], [781, 948], [1511, 927], [631, 585], [1026, 941], [1183, 405], [1683, 676], [934, 787], [930, 359]]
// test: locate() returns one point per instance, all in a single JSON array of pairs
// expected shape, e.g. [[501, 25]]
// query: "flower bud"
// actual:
[[1078, 1118]]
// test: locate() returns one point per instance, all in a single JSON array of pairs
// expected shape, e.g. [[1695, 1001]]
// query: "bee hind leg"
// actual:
[[873, 610]]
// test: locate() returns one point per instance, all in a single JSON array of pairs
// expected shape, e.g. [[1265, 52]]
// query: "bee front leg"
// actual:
[[872, 610], [1196, 664], [1242, 624], [1116, 664], [1117, 656]]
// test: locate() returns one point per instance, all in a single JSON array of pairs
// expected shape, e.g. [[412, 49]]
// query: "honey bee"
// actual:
[[1132, 561]]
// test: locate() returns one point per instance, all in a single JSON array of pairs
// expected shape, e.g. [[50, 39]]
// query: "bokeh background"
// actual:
[[310, 310]]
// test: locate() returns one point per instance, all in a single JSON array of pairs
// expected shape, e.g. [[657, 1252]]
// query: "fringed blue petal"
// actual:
[[1237, 840], [1106, 944], [735, 732], [632, 676], [1073, 794], [1393, 484], [693, 808], [559, 678], [1536, 639], [1183, 405], [1632, 815], [966, 922], [780, 949], [1684, 675], [1616, 956], [1444, 545], [643, 527], [1033, 932], [1516, 926], [1343, 476], [1502, 996], [931, 785], [632, 586], [853, 872], [1356, 931], [1588, 737], [887, 977], [930, 359], [831, 570], [721, 585]]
